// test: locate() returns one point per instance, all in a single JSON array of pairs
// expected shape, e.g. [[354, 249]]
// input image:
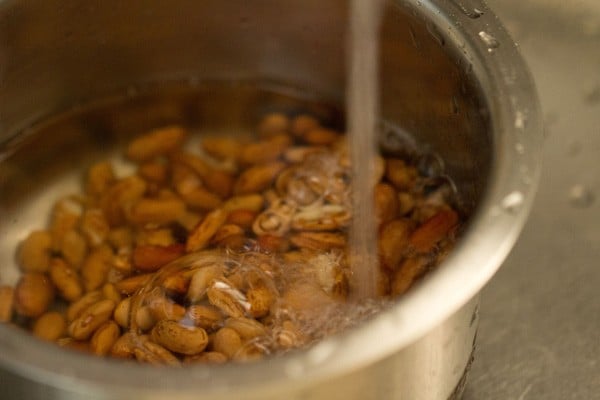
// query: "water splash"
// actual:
[[490, 41], [581, 196], [512, 201]]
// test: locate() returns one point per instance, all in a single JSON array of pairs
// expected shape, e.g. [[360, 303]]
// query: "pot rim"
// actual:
[[515, 120]]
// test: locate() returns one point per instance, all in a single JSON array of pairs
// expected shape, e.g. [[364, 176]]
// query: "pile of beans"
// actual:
[[226, 251]]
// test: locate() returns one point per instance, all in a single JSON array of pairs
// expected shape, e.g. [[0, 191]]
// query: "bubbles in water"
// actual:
[[580, 196], [490, 41], [519, 148], [513, 201], [520, 120]]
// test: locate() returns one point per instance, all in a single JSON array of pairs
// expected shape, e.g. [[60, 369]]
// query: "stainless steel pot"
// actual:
[[450, 76]]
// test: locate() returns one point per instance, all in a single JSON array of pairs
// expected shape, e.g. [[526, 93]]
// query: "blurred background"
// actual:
[[539, 336]]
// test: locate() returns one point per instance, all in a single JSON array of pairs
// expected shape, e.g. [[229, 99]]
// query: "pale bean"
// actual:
[[226, 298], [227, 341], [94, 271], [104, 338], [247, 328], [77, 308], [207, 317], [95, 226], [393, 242], [122, 312], [95, 315], [201, 281]]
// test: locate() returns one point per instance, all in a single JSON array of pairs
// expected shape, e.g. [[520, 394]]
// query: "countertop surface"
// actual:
[[539, 334]]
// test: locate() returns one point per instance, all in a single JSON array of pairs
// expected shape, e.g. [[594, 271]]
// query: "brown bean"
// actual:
[[226, 231], [386, 203], [163, 308], [408, 272], [7, 301], [95, 269], [128, 286], [221, 147], [242, 218], [124, 346], [207, 317], [51, 326], [253, 202], [74, 248], [257, 178], [33, 295], [436, 228], [320, 136], [227, 341], [155, 354], [154, 171], [99, 178], [261, 299], [201, 235], [95, 315], [303, 123], [393, 242], [157, 211], [200, 199], [151, 258], [65, 279], [65, 217], [178, 338], [120, 197], [399, 174], [272, 124], [318, 240], [156, 142], [110, 291], [104, 338], [263, 151], [34, 252]]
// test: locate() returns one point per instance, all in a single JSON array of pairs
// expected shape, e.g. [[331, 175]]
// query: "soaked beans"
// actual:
[[230, 251]]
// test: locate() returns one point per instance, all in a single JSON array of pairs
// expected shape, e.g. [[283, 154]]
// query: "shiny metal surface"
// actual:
[[540, 315], [443, 81]]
